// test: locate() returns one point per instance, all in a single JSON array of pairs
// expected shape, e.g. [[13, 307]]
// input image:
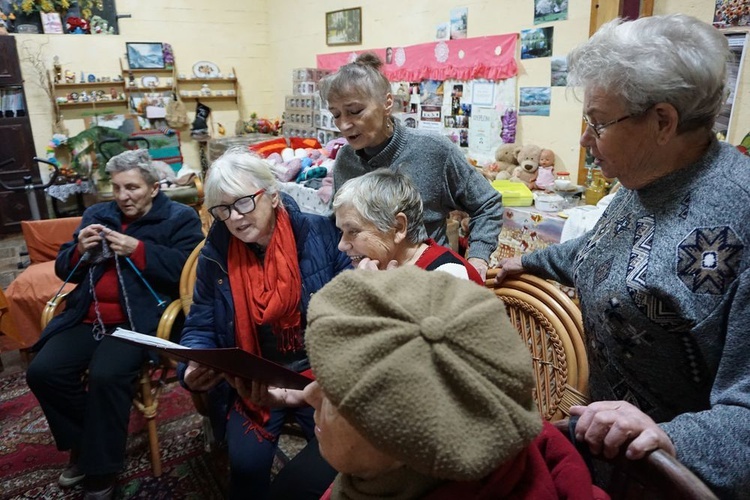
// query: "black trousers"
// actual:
[[88, 416]]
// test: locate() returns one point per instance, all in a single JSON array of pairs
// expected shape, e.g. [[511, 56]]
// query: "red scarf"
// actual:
[[266, 293]]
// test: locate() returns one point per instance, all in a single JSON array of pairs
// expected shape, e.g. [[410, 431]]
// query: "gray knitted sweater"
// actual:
[[443, 177], [664, 283]]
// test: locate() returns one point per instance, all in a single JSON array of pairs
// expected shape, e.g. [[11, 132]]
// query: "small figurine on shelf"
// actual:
[[205, 90], [57, 69], [131, 79]]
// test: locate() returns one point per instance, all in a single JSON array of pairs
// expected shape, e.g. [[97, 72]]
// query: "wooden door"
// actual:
[[16, 144]]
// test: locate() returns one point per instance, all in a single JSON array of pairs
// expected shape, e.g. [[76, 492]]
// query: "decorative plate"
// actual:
[[150, 81], [205, 69]]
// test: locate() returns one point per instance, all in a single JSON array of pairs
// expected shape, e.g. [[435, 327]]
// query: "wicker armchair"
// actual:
[[153, 375], [551, 325]]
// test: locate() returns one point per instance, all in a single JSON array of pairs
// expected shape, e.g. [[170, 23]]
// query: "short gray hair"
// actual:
[[231, 173], [362, 77], [379, 195], [675, 59], [132, 159]]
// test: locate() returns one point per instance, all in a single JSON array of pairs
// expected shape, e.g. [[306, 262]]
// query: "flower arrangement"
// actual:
[[61, 6]]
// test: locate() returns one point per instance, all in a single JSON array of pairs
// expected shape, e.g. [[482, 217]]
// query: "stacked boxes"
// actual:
[[304, 114], [298, 116]]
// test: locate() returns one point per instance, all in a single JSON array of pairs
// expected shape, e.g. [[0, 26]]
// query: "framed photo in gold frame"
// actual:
[[344, 27]]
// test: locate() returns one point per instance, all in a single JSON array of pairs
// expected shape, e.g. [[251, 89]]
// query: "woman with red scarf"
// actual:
[[262, 261]]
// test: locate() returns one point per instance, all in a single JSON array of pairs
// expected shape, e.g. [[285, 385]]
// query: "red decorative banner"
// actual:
[[489, 57]]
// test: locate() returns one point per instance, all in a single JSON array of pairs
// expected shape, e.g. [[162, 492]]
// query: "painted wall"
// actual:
[[264, 40]]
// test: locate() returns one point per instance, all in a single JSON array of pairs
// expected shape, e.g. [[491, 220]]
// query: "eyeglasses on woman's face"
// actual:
[[597, 128], [242, 206]]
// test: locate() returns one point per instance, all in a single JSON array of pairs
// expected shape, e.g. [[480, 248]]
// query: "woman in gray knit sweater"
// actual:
[[359, 97], [664, 277]]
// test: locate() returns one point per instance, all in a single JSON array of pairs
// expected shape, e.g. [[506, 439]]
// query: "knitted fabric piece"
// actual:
[[426, 366]]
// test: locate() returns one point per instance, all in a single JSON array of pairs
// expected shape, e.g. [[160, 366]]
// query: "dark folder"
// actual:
[[233, 361]]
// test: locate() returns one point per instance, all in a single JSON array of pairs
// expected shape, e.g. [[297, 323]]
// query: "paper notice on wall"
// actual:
[[484, 132]]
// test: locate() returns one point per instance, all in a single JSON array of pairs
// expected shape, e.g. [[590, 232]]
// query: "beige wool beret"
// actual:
[[426, 366]]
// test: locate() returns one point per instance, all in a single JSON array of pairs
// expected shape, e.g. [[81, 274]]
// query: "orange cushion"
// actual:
[[299, 142], [266, 148], [44, 237]]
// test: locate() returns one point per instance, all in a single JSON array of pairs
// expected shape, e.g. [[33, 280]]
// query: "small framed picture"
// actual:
[[51, 23], [145, 55], [344, 27]]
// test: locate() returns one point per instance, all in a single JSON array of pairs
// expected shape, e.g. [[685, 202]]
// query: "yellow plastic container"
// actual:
[[515, 194]]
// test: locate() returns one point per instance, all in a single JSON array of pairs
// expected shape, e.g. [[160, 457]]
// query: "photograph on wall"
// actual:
[[534, 101], [459, 22], [443, 31], [536, 42], [463, 138], [344, 27], [456, 93], [729, 13], [546, 11], [559, 69], [431, 92]]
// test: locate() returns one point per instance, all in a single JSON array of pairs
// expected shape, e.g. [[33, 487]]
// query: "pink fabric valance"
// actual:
[[489, 57]]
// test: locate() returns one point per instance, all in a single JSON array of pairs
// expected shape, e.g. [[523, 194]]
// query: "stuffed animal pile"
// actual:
[[529, 164]]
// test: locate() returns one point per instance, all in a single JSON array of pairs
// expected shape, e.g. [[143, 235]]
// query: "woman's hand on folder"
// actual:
[[263, 395], [200, 378]]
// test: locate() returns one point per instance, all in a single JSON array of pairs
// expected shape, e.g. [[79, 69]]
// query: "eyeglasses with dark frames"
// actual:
[[242, 206], [597, 128]]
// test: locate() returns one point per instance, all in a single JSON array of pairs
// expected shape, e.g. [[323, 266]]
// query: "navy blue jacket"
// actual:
[[169, 232], [210, 322]]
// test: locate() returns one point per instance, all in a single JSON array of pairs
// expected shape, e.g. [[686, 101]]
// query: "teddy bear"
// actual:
[[545, 176], [506, 160], [528, 164]]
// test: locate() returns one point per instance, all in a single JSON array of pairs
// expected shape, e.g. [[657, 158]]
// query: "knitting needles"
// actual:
[[160, 302]]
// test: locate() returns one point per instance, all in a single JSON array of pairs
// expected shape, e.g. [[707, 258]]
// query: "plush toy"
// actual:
[[100, 26], [528, 164], [545, 176], [506, 160], [77, 25]]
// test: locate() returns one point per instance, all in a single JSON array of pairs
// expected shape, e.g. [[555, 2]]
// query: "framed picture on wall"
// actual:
[[344, 27], [145, 55]]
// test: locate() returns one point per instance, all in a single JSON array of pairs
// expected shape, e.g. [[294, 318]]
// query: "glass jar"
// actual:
[[563, 182]]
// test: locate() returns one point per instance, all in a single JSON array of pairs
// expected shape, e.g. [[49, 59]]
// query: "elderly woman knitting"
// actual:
[[141, 228], [262, 261], [424, 390], [381, 220]]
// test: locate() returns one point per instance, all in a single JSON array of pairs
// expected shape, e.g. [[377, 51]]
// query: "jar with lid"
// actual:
[[563, 182]]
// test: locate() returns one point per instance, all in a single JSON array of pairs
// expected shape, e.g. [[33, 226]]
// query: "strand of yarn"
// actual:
[[128, 311], [99, 329]]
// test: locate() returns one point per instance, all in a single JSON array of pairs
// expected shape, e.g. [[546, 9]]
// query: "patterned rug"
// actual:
[[30, 464]]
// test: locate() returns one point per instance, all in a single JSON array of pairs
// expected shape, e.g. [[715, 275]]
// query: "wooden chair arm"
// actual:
[[658, 472], [167, 320], [54, 306]]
